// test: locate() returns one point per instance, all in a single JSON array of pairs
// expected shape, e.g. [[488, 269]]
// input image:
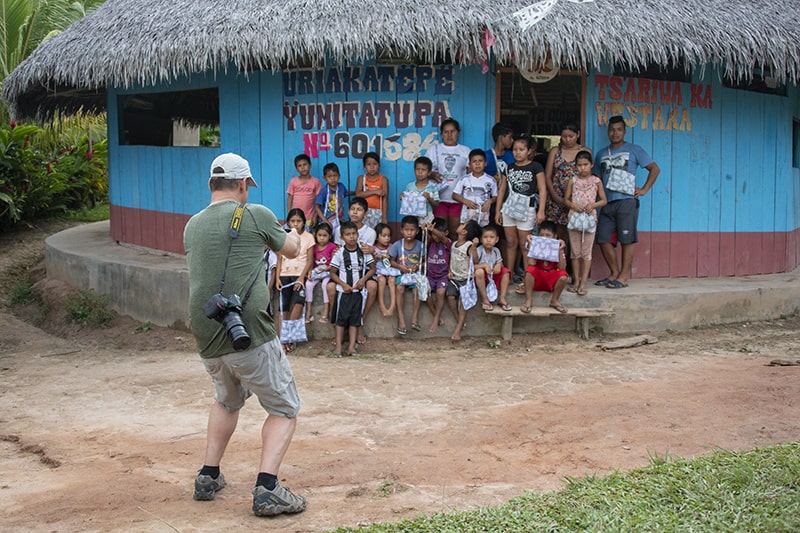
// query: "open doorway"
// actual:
[[541, 108]]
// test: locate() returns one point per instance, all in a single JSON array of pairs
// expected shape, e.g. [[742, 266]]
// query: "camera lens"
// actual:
[[235, 328]]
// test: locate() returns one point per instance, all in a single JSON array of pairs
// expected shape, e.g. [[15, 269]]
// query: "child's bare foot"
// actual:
[[435, 326], [582, 291], [456, 336]]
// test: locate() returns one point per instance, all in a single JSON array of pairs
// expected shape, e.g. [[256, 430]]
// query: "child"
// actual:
[[374, 188], [330, 200], [303, 189], [438, 266], [356, 213], [292, 272], [490, 263], [386, 273], [500, 156], [425, 186], [521, 199], [270, 264], [366, 240], [477, 190], [323, 254], [406, 255], [350, 270], [461, 252], [541, 275], [582, 196]]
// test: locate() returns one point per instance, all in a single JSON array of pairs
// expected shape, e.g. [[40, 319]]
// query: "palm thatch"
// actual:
[[144, 42]]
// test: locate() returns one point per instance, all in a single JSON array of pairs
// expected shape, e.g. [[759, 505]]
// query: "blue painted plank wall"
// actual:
[[725, 156], [752, 133], [462, 92]]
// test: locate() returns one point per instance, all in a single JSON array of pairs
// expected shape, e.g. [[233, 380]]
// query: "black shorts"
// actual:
[[453, 286], [620, 217], [289, 296], [347, 309]]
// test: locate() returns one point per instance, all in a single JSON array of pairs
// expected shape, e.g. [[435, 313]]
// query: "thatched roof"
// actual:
[[127, 42]]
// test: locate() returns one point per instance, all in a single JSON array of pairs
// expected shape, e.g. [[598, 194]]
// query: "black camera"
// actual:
[[228, 312]]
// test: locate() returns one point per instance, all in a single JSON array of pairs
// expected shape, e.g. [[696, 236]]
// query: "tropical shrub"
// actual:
[[35, 184]]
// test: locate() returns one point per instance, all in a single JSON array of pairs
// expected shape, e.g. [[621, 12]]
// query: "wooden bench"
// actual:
[[581, 315]]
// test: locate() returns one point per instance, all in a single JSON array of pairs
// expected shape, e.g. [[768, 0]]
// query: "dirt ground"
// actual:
[[103, 430]]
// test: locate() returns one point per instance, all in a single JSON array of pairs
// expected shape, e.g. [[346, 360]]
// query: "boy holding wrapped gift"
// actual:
[[546, 267]]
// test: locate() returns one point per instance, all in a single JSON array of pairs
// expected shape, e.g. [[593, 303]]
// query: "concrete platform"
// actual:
[[149, 285]]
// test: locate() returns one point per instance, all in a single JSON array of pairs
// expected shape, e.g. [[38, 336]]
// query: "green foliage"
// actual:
[[144, 327], [90, 214], [22, 294], [34, 185], [755, 490], [90, 309], [24, 24]]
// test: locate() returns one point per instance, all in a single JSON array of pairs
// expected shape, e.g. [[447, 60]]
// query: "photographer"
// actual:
[[235, 336]]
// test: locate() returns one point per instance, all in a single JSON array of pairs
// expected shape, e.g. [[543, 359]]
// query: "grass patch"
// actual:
[[757, 490], [22, 293], [89, 214], [90, 309]]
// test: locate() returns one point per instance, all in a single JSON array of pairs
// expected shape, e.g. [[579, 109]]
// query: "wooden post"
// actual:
[[508, 325]]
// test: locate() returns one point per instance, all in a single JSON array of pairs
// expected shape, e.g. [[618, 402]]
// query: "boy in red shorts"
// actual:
[[541, 275]]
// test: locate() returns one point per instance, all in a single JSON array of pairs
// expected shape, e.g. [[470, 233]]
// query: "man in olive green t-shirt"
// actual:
[[262, 367]]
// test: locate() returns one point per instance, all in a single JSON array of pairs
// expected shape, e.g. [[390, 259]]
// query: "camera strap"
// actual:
[[236, 223]]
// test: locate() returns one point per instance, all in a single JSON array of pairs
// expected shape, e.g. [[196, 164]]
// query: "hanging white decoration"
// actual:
[[528, 16]]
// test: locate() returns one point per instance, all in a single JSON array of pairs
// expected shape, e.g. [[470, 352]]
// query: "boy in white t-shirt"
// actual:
[[477, 190]]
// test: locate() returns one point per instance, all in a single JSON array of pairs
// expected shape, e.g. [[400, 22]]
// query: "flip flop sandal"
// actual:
[[602, 282], [582, 292], [560, 308], [487, 307], [526, 309], [416, 327], [616, 284], [572, 289], [506, 307], [520, 289], [402, 331]]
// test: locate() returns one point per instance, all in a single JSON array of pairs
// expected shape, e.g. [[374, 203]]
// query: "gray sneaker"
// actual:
[[276, 501], [205, 487]]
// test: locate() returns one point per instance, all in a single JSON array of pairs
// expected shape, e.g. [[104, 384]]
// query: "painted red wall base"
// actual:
[[658, 254], [153, 229], [703, 255]]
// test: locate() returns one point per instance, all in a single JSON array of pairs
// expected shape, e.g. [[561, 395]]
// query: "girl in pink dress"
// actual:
[[584, 194], [323, 250]]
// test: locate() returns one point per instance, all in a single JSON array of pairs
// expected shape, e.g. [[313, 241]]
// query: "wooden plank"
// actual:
[[660, 250], [727, 254], [642, 261], [683, 252], [549, 311], [708, 254]]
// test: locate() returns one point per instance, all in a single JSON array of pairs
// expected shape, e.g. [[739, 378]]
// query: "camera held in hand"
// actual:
[[228, 312]]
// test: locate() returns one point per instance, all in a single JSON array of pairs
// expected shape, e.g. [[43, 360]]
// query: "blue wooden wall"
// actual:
[[727, 201]]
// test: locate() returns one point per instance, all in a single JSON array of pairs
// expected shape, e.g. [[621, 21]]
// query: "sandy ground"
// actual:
[[97, 439], [104, 429]]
